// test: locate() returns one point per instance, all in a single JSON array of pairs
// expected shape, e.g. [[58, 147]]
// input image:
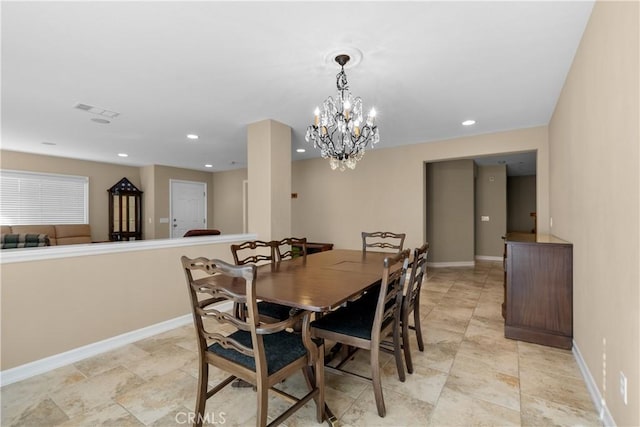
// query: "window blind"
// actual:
[[36, 198]]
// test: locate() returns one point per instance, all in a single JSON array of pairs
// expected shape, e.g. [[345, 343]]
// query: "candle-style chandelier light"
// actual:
[[339, 129]]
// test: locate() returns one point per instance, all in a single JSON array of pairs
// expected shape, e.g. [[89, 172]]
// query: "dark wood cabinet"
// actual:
[[539, 290]]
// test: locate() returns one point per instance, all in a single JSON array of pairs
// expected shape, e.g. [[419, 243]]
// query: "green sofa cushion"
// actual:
[[12, 241]]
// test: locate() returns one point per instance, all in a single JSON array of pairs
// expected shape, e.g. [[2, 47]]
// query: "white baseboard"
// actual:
[[594, 391], [41, 366], [488, 258], [451, 264]]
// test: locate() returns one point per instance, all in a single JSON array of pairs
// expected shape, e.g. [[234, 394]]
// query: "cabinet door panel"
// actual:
[[539, 288]]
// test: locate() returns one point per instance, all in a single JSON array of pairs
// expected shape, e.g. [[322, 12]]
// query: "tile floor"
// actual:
[[469, 374]]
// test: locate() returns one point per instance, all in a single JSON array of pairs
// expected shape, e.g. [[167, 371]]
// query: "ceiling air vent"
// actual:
[[96, 110]]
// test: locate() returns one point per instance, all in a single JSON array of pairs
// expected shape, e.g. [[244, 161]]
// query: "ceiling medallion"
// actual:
[[339, 130]]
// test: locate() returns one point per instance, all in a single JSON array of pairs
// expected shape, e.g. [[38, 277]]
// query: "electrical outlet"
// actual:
[[623, 387]]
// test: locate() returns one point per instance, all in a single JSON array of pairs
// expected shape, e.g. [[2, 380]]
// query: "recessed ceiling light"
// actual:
[[468, 123], [123, 155], [301, 150], [48, 143], [101, 121], [192, 136], [208, 166]]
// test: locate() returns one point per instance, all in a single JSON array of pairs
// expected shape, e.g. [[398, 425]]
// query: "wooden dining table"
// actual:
[[319, 283]]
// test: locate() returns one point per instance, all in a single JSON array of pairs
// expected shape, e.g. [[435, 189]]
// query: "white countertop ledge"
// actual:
[[8, 256]]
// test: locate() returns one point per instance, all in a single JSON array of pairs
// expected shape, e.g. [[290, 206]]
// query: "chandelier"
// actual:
[[339, 130]]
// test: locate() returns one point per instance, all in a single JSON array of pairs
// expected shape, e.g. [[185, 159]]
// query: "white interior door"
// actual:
[[188, 206]]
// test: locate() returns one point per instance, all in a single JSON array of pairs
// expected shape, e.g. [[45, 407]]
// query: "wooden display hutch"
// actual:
[[125, 211]]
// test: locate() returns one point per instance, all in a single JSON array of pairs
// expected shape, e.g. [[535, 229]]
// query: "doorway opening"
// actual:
[[471, 203]]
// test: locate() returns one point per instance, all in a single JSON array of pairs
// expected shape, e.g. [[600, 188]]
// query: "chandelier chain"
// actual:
[[341, 81]]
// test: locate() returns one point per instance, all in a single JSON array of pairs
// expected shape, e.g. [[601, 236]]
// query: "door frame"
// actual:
[[245, 206], [206, 200]]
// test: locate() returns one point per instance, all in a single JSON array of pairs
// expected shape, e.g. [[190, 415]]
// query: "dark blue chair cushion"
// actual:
[[355, 320], [280, 349], [273, 310]]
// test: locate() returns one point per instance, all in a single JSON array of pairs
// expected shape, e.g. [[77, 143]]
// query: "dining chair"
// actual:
[[258, 251], [411, 303], [262, 354], [291, 247], [255, 252], [382, 240], [356, 325]]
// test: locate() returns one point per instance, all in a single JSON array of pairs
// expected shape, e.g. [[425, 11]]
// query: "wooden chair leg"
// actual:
[[376, 380], [397, 352], [263, 404], [313, 381], [416, 321], [201, 401], [405, 343]]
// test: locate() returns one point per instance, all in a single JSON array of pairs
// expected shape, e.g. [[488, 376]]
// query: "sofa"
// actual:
[[63, 234]]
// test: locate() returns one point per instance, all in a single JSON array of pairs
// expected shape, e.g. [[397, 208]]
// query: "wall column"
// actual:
[[269, 177]]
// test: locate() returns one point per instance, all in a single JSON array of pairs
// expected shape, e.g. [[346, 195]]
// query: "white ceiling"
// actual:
[[211, 68]]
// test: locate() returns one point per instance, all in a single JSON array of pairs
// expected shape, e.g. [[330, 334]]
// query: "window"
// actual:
[[36, 198]]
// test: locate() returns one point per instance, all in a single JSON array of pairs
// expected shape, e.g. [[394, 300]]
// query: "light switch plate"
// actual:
[[484, 218]]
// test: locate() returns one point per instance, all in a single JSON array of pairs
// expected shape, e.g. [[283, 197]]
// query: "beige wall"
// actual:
[[49, 307], [102, 176], [491, 201], [521, 201], [595, 195], [386, 190], [227, 196], [449, 192]]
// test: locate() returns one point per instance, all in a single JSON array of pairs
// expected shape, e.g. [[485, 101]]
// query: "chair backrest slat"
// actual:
[[259, 251], [222, 317], [391, 291], [226, 342], [418, 272], [382, 240], [291, 247]]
